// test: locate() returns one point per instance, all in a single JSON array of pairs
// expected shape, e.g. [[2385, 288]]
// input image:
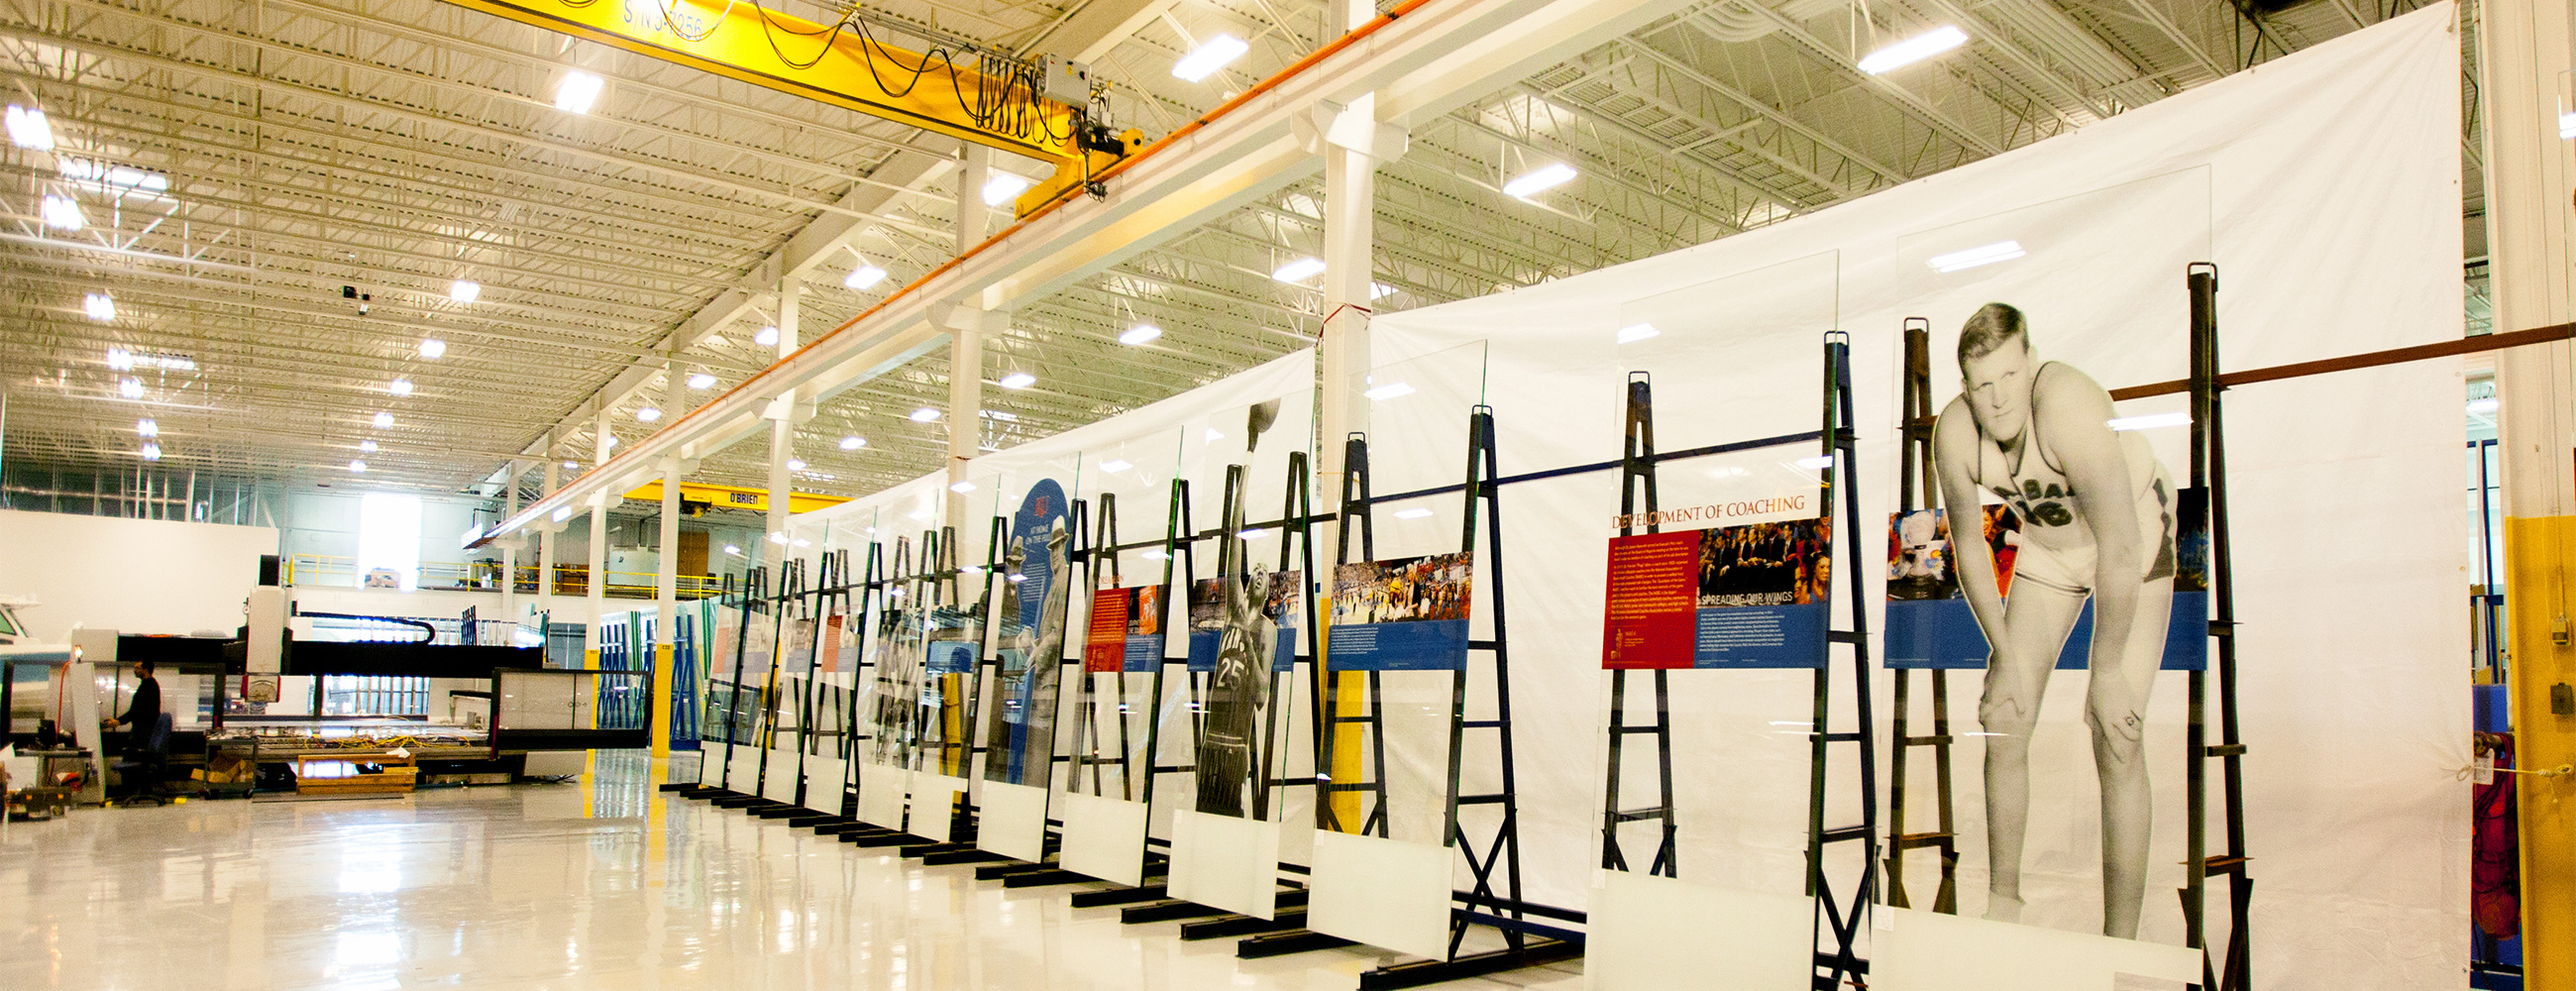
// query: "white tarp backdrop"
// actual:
[[2325, 186]]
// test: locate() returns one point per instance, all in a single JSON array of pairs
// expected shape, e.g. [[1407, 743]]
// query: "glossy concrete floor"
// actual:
[[603, 883]]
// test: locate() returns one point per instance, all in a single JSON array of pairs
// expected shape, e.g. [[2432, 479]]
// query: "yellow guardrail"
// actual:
[[329, 571]]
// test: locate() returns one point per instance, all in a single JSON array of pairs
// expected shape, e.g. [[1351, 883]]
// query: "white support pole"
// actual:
[[966, 341], [666, 581], [782, 437], [600, 439], [1350, 196], [510, 548], [546, 547], [965, 407], [974, 218], [2524, 65]]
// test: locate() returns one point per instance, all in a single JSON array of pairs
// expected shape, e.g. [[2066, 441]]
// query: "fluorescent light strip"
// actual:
[[1912, 50], [1299, 271], [1635, 332], [1390, 390], [1211, 55], [1544, 178], [1983, 254]]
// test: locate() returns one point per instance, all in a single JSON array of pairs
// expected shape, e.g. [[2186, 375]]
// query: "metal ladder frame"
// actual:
[[1914, 490]]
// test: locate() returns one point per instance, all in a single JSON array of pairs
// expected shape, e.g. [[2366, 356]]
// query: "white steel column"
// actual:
[[965, 406], [974, 217], [967, 328], [782, 436], [546, 547], [510, 548], [666, 580], [1348, 138], [2525, 61], [601, 439]]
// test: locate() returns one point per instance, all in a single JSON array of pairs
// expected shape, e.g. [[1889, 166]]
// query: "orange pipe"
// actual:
[[1301, 65]]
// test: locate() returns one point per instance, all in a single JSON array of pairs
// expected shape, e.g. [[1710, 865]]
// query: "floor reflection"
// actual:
[[598, 882]]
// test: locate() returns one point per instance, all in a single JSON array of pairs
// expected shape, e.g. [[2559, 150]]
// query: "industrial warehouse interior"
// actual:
[[1548, 494]]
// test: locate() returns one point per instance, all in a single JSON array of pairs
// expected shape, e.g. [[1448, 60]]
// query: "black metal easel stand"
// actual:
[[1843, 918], [2230, 970], [1914, 490], [1636, 487]]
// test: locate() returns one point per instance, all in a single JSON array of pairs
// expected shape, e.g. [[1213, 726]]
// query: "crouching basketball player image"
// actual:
[[2096, 515]]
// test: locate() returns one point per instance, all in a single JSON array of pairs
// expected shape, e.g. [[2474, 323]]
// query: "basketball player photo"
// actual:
[[2096, 515]]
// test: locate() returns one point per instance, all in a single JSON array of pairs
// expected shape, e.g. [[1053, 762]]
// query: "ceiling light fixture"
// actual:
[[1388, 391], [1415, 513], [357, 467], [120, 359], [864, 277], [1017, 380], [151, 452], [1818, 463], [1983, 254], [562, 513], [853, 442], [648, 414], [767, 336], [29, 129], [464, 291], [147, 427], [962, 487], [795, 464], [100, 306], [131, 388], [1004, 187], [702, 381], [1299, 271], [1140, 333], [924, 415], [384, 420], [1912, 50], [400, 387], [1211, 55], [731, 549], [61, 213], [1635, 332], [1114, 464], [1543, 178], [572, 464], [367, 446], [578, 92], [432, 348]]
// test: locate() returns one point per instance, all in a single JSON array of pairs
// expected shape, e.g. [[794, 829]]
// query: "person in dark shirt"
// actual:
[[145, 708]]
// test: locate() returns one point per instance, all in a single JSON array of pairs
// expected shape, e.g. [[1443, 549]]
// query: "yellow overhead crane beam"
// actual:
[[734, 497], [998, 101]]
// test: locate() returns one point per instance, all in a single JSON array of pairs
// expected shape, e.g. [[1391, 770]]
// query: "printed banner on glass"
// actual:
[[1249, 646], [1284, 607], [1407, 614], [1126, 631], [1019, 746], [1932, 622], [1751, 596]]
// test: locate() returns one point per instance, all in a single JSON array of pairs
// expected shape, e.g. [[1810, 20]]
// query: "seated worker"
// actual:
[[145, 707]]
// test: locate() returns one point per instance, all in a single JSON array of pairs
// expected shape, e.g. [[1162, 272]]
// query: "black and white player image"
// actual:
[[2096, 514]]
